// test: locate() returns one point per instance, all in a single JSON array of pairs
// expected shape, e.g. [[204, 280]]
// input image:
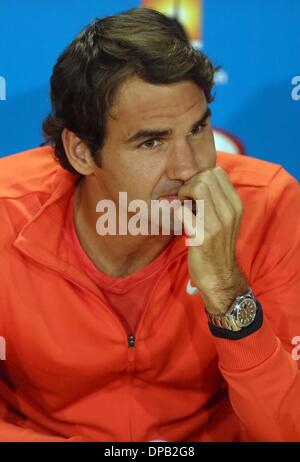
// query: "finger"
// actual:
[[223, 206], [218, 209], [233, 197], [200, 191], [193, 225], [229, 189]]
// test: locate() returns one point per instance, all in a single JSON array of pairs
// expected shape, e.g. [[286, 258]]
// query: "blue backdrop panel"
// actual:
[[32, 35], [258, 44]]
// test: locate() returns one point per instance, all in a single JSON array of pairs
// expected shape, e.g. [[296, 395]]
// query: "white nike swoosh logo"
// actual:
[[191, 290]]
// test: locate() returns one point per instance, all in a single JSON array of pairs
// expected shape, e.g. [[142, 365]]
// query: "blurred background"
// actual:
[[256, 110]]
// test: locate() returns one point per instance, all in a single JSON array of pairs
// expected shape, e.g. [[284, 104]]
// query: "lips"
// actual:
[[170, 194], [188, 202], [170, 198]]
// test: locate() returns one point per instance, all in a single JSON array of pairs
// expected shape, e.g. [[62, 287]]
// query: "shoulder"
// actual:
[[246, 170], [27, 171], [27, 180], [266, 183]]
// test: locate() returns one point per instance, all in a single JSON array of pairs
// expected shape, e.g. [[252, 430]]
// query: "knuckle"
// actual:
[[228, 218], [218, 229], [200, 189], [206, 175], [220, 172], [240, 206]]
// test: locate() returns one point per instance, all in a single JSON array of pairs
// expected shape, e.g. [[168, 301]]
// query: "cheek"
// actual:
[[137, 172], [137, 178], [206, 151]]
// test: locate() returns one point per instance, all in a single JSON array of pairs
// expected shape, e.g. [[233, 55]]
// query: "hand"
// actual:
[[212, 265]]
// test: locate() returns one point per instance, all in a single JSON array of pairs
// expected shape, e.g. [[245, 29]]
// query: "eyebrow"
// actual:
[[155, 133]]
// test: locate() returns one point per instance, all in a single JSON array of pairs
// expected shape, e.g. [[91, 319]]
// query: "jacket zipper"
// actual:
[[131, 341], [131, 338], [131, 356]]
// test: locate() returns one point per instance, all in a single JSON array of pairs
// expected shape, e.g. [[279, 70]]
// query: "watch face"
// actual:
[[246, 312]]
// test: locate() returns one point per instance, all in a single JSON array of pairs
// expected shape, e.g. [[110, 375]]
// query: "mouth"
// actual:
[[169, 197], [172, 197], [170, 194]]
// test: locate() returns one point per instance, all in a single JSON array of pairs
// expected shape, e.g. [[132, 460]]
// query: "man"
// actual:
[[122, 337]]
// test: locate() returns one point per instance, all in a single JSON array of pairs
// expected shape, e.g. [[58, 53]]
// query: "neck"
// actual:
[[116, 255]]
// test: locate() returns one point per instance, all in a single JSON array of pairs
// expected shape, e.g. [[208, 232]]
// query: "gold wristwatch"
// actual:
[[241, 313]]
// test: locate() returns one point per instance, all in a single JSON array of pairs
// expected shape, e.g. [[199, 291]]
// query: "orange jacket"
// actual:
[[69, 374]]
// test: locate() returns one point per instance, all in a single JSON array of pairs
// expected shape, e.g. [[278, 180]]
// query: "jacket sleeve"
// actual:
[[262, 369]]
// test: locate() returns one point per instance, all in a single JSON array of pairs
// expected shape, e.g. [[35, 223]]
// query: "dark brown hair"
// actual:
[[141, 42]]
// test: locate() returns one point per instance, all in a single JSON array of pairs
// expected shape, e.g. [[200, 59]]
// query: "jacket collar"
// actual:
[[43, 238]]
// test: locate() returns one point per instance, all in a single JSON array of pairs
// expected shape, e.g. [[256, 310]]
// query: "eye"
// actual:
[[149, 144], [198, 129]]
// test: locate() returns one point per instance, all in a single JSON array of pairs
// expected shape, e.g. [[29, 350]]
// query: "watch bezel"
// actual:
[[241, 307]]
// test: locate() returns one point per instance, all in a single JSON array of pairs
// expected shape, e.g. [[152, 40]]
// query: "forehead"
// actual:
[[138, 102]]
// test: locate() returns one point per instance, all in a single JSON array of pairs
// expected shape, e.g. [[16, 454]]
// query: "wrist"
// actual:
[[219, 300]]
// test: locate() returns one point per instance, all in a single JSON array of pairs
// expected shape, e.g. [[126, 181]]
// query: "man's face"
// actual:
[[155, 140]]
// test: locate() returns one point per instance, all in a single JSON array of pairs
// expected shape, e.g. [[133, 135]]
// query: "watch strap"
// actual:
[[245, 332]]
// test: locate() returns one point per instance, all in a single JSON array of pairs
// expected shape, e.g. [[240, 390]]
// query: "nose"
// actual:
[[182, 164]]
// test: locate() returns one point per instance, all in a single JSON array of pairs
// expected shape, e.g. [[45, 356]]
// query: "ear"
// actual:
[[77, 153]]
